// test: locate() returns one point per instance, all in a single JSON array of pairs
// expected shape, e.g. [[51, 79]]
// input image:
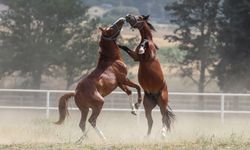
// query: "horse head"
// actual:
[[112, 32], [108, 46], [144, 26], [138, 21]]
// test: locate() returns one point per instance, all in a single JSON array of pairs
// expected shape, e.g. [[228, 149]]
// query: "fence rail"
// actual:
[[221, 103]]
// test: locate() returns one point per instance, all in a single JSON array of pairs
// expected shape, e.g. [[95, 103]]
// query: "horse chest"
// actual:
[[150, 76]]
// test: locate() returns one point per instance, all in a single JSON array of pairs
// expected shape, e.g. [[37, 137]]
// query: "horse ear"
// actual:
[[145, 17], [100, 28]]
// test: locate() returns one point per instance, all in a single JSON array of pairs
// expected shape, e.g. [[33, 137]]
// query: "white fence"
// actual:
[[220, 103]]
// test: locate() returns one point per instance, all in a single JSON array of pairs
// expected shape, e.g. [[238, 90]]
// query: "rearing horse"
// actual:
[[110, 73], [150, 74]]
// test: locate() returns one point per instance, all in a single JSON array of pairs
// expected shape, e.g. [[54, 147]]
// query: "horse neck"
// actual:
[[146, 33], [109, 52]]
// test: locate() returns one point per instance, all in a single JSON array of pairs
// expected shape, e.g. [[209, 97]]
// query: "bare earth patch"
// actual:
[[26, 129]]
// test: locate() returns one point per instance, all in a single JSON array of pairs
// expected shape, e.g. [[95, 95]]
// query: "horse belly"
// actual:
[[106, 84]]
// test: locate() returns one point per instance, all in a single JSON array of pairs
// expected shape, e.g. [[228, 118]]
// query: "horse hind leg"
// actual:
[[165, 122], [167, 118], [82, 124], [149, 104], [92, 119], [132, 84], [167, 114]]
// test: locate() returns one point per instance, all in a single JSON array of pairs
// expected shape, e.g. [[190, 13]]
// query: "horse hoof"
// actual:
[[79, 141], [82, 138], [137, 105], [163, 136], [133, 112], [163, 133], [146, 137]]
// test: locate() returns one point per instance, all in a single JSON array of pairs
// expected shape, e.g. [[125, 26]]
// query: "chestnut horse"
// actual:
[[150, 74], [110, 73]]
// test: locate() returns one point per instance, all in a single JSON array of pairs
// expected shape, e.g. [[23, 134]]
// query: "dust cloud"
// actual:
[[29, 126]]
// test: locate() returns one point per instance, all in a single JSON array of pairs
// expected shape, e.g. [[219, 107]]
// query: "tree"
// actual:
[[195, 33], [80, 53], [34, 33], [233, 69], [132, 42]]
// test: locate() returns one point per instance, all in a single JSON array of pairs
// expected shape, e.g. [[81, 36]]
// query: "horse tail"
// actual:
[[170, 117], [62, 107]]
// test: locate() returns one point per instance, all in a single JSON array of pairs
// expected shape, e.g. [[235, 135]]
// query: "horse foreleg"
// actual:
[[130, 52], [129, 93], [132, 84], [132, 105]]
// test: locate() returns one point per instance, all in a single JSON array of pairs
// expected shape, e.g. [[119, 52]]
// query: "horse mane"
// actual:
[[151, 26], [156, 46]]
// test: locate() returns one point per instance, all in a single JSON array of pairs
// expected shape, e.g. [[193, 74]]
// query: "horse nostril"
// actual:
[[127, 17]]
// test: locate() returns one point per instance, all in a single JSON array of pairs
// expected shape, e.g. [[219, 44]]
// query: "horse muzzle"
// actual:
[[141, 50], [129, 18]]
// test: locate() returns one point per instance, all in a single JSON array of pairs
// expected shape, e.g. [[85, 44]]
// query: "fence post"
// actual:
[[112, 102], [47, 104], [222, 108]]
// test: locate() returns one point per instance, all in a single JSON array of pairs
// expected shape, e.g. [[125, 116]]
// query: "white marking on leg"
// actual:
[[99, 132], [138, 105], [132, 105], [164, 131], [83, 137]]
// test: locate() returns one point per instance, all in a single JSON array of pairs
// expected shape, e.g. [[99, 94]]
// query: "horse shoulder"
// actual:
[[152, 46], [120, 66]]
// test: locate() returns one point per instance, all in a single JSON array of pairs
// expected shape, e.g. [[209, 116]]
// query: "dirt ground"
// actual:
[[26, 126]]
